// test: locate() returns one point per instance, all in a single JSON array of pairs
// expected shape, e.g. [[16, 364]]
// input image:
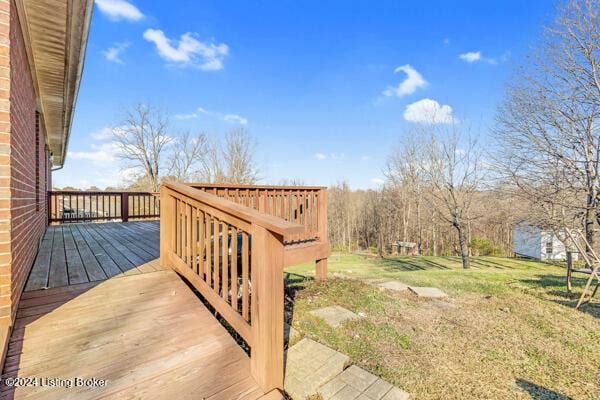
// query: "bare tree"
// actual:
[[231, 161], [213, 170], [239, 157], [142, 140], [188, 155], [404, 172], [452, 168], [547, 132]]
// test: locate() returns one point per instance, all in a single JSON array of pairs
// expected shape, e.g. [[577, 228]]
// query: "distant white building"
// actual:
[[535, 242]]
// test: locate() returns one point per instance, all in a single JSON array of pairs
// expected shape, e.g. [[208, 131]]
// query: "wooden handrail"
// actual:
[[90, 206], [304, 205], [274, 224], [262, 187], [87, 192], [234, 256]]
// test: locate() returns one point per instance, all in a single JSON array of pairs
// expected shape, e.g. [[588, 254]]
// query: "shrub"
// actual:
[[484, 247]]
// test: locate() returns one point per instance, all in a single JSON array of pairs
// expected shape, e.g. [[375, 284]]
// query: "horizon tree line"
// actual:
[[444, 191]]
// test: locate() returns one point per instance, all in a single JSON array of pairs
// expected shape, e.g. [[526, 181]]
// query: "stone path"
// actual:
[[334, 316], [314, 368], [429, 292], [396, 286], [425, 292], [309, 365], [356, 383]]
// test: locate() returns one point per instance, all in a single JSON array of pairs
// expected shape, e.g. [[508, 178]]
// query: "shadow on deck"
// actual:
[[111, 314]]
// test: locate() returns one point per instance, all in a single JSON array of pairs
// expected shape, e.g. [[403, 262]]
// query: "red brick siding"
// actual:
[[5, 244], [26, 223]]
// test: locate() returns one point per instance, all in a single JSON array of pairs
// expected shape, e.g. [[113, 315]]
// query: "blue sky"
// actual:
[[325, 87]]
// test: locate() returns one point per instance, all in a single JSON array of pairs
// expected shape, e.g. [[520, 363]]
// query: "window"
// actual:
[[549, 248], [37, 161]]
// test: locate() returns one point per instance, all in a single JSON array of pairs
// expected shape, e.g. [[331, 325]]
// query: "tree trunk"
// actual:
[[589, 227], [434, 241], [462, 241], [419, 229]]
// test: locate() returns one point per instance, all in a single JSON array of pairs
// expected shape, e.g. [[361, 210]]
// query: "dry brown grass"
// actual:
[[521, 341]]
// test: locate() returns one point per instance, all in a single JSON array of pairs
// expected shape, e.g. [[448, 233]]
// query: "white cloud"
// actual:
[[429, 111], [365, 158], [188, 51], [414, 80], [477, 56], [186, 116], [337, 157], [117, 177], [234, 118], [119, 9], [108, 132], [377, 181], [115, 52], [100, 153], [103, 134], [471, 56]]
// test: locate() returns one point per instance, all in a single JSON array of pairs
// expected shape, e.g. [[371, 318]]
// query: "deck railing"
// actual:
[[76, 206], [234, 256], [304, 205]]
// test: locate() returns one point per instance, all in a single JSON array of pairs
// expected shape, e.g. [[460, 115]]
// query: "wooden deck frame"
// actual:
[[197, 229], [137, 325], [232, 254], [304, 205]]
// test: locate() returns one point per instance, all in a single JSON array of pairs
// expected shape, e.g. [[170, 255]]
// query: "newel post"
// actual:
[[124, 206], [266, 363], [167, 221], [321, 265]]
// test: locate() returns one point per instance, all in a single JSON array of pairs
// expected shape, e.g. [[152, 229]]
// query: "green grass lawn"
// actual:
[[508, 329]]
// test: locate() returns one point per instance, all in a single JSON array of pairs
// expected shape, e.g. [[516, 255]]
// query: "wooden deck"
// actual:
[[146, 334], [71, 254]]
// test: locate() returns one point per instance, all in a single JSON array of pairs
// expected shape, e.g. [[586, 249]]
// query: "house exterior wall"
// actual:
[[526, 241], [559, 251], [534, 242], [5, 193], [23, 157]]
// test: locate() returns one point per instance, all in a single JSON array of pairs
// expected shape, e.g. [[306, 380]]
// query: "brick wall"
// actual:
[[5, 212], [22, 221]]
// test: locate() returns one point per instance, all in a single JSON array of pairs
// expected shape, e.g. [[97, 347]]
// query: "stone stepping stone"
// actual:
[[428, 292], [309, 365], [395, 286], [334, 316], [355, 383]]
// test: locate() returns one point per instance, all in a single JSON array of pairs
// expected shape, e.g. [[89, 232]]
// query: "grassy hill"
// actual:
[[508, 329]]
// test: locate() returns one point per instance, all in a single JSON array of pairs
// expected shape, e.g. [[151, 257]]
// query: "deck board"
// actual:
[[71, 254], [147, 334], [90, 263]]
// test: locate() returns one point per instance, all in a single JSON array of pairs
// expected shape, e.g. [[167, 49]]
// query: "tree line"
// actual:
[[450, 195], [147, 143], [445, 192]]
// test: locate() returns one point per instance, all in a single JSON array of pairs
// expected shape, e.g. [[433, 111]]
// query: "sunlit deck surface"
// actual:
[[79, 253], [111, 313]]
